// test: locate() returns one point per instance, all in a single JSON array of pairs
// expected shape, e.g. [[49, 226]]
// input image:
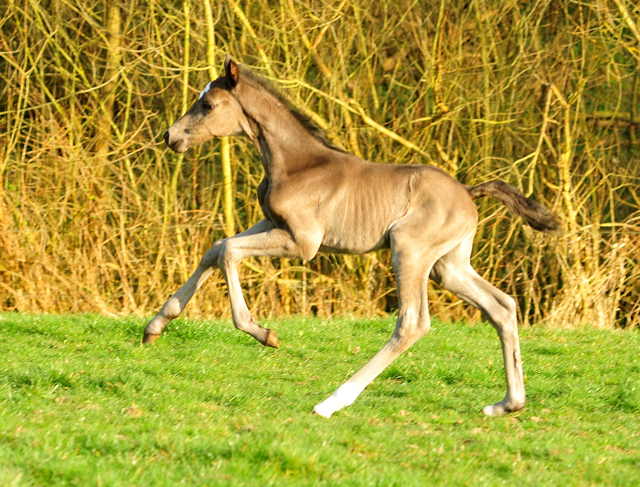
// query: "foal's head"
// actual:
[[217, 113]]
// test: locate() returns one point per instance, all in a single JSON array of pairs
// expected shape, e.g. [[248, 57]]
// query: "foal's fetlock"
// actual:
[[265, 336], [344, 396], [249, 325]]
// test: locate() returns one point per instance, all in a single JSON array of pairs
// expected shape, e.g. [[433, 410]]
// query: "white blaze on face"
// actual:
[[206, 89]]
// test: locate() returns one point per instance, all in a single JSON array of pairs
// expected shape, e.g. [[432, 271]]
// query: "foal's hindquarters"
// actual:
[[436, 239]]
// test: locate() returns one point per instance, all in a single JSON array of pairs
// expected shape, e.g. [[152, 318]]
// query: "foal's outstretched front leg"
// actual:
[[176, 303]]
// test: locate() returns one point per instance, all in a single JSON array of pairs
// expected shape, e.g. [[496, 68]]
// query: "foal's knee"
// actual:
[[225, 254], [423, 325], [511, 310], [210, 258]]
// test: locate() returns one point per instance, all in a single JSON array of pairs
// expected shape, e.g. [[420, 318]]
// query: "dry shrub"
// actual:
[[97, 215]]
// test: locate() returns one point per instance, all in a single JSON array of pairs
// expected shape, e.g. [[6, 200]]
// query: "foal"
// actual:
[[317, 198]]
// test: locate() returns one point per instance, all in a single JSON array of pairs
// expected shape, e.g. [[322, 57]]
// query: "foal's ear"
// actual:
[[231, 70]]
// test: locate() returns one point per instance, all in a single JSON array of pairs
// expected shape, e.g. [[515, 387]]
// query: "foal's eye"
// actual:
[[207, 106]]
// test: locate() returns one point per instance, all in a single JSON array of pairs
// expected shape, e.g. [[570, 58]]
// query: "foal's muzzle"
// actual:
[[177, 144]]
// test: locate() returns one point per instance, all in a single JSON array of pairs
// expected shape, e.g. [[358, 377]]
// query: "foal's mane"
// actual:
[[309, 125]]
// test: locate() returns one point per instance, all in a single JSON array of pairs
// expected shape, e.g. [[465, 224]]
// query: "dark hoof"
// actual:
[[149, 338], [272, 340]]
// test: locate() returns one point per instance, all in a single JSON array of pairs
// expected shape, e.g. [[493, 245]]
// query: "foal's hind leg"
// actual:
[[176, 303], [412, 275], [454, 272]]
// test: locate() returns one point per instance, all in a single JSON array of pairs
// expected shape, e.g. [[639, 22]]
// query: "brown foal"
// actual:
[[317, 198]]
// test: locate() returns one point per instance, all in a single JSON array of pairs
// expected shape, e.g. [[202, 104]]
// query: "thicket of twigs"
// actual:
[[96, 214]]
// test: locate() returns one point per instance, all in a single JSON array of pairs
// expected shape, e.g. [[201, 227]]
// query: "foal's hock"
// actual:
[[318, 198]]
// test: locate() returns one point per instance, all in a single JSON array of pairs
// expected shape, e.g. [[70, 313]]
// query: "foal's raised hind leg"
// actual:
[[454, 272], [176, 303]]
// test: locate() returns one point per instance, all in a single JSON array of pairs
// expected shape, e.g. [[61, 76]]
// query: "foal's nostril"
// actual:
[[166, 137]]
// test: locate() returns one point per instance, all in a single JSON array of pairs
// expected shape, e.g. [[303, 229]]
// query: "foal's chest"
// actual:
[[267, 198]]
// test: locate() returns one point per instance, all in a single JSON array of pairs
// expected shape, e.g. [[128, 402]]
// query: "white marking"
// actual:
[[344, 396], [206, 89]]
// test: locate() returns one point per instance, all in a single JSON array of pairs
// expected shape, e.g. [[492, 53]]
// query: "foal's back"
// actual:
[[360, 202]]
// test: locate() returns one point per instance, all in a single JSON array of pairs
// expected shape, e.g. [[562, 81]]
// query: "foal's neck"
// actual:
[[285, 146]]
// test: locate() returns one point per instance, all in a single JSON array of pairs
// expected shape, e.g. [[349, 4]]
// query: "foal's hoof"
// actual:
[[149, 338], [503, 407], [272, 339], [326, 408]]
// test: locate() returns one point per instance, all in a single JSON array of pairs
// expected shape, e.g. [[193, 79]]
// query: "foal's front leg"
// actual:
[[176, 303], [274, 243]]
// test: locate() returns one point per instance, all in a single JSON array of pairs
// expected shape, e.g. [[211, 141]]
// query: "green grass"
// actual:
[[81, 403]]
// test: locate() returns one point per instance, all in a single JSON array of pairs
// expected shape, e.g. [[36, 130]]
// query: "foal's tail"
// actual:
[[536, 215]]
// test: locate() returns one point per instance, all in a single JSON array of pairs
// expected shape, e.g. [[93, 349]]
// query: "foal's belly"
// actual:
[[357, 217], [353, 245], [354, 234]]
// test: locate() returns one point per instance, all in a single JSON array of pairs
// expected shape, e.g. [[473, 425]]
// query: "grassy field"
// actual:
[[82, 403]]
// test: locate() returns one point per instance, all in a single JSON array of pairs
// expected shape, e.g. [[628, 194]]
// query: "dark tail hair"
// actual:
[[536, 215]]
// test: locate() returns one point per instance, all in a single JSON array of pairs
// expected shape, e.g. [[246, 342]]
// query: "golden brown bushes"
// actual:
[[95, 213]]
